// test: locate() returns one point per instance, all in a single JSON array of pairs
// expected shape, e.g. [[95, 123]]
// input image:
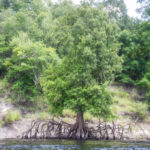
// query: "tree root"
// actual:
[[53, 129], [76, 132]]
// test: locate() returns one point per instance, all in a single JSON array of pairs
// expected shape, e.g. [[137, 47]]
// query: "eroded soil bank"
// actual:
[[137, 131]]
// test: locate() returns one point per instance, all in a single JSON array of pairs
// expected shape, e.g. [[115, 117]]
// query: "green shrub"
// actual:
[[123, 78], [24, 89], [11, 117], [144, 83]]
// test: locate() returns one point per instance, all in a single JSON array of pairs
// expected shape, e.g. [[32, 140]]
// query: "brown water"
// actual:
[[73, 145]]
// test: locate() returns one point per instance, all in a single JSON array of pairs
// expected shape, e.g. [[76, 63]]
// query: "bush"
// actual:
[[11, 117], [144, 83]]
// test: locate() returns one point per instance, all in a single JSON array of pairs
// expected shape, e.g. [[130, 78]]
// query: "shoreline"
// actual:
[[140, 131], [81, 140]]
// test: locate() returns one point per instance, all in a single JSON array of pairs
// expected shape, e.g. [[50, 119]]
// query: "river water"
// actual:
[[73, 145]]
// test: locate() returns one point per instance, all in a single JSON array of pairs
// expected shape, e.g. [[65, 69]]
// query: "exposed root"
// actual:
[[54, 129], [75, 132]]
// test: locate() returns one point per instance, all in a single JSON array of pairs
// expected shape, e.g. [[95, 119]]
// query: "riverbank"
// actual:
[[128, 112], [140, 131], [132, 130]]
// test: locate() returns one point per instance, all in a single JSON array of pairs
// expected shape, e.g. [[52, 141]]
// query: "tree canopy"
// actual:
[[91, 59]]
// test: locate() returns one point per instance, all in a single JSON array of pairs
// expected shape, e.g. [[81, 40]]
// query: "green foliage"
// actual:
[[131, 69], [125, 104], [117, 10], [25, 66], [135, 53], [11, 117], [77, 81], [144, 84], [5, 52], [145, 8], [4, 4]]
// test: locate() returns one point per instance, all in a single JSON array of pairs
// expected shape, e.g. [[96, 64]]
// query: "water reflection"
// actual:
[[72, 145]]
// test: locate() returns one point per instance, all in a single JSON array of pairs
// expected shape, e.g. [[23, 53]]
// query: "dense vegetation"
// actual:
[[69, 53]]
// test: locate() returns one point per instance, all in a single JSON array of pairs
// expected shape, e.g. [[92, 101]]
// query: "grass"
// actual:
[[39, 115], [147, 120], [44, 115], [1, 123], [8, 99], [88, 116], [68, 113], [120, 92], [1, 87], [11, 117], [4, 87], [125, 104], [3, 83], [67, 119]]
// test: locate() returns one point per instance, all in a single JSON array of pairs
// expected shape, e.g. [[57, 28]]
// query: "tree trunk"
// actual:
[[79, 129], [80, 134]]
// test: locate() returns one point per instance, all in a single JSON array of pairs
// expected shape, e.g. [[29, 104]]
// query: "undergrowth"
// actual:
[[11, 117], [124, 104]]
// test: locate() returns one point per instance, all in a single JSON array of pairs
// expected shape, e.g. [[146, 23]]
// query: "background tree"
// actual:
[[5, 51], [144, 8], [135, 52], [26, 19], [22, 51], [25, 66], [117, 11]]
